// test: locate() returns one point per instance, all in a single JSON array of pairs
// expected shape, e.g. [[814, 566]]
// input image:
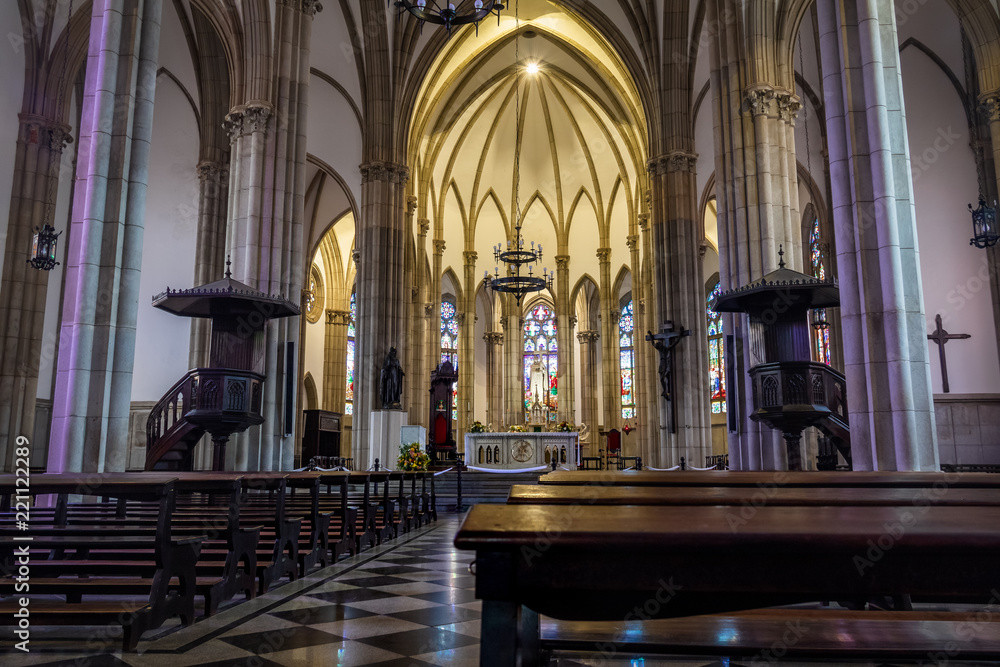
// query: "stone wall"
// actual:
[[968, 428]]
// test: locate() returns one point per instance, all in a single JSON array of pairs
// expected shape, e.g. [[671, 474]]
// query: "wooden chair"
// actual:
[[614, 449]]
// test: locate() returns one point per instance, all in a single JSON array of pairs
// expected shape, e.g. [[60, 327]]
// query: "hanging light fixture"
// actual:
[[448, 15], [515, 256], [984, 225], [46, 238]]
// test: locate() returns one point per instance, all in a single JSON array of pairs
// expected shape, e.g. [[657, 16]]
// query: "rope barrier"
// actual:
[[507, 471], [662, 469], [444, 471]]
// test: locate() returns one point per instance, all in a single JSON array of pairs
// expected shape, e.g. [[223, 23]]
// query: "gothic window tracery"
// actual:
[[626, 330], [716, 356], [821, 336], [449, 346], [351, 328]]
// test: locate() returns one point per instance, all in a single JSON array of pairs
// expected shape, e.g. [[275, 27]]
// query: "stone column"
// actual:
[[589, 383], [513, 353], [677, 233], [334, 356], [882, 310], [380, 292], [37, 157], [467, 350], [564, 337], [434, 303], [210, 249], [93, 387], [649, 410], [990, 109], [494, 376], [420, 371], [609, 322]]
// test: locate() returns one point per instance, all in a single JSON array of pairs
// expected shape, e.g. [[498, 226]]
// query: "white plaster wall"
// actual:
[[315, 342], [953, 272], [176, 57], [334, 133], [168, 250], [12, 85], [935, 25]]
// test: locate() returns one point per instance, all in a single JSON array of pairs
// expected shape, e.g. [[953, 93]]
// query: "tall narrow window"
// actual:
[[541, 359], [351, 328], [314, 296], [821, 336], [626, 329], [716, 356], [449, 347]]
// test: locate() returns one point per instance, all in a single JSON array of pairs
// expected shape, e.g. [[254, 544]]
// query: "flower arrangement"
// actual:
[[517, 428], [411, 457], [565, 427], [477, 427]]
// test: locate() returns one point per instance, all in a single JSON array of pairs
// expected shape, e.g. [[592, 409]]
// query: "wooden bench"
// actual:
[[170, 589], [718, 478], [688, 559]]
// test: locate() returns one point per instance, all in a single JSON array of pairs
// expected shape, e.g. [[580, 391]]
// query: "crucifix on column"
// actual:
[[941, 337], [665, 343]]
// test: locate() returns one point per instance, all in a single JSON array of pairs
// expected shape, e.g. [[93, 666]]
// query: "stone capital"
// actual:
[[460, 318], [644, 222], [41, 130], [311, 7], [760, 99], [573, 321], [589, 336], [989, 106], [702, 248], [338, 317], [562, 262], [255, 116], [470, 257], [428, 310], [356, 256], [604, 254], [632, 241], [388, 172], [673, 162], [425, 226], [615, 316], [789, 105], [411, 205], [493, 337], [439, 246], [209, 172]]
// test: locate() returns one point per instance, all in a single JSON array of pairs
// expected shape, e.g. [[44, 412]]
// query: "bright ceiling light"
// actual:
[[532, 68]]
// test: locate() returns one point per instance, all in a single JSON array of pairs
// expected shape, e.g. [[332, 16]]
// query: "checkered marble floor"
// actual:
[[409, 603]]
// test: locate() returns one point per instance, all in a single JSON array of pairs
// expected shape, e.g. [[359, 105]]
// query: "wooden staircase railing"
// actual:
[[220, 401]]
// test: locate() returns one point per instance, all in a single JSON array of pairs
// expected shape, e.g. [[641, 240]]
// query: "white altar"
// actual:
[[510, 451]]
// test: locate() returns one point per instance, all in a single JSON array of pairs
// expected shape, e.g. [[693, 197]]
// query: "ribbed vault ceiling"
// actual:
[[582, 141]]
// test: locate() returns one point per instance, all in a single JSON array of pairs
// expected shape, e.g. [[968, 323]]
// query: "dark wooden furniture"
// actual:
[[767, 479], [167, 582], [614, 450], [441, 439], [689, 560], [320, 435]]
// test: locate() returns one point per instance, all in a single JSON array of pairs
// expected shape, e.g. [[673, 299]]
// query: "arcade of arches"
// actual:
[[364, 167]]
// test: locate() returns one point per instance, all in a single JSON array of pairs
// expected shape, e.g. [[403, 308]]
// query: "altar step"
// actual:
[[479, 487]]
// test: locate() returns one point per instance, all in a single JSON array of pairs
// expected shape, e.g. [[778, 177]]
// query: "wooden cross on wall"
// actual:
[[941, 337]]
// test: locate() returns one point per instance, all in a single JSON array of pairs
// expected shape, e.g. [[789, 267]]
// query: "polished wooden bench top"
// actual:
[[523, 494], [778, 478]]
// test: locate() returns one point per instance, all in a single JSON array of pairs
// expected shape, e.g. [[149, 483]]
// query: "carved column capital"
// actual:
[[789, 105], [209, 172], [702, 248], [760, 100], [460, 318], [311, 7], [588, 336], [428, 310], [632, 241], [493, 337], [615, 316], [470, 257], [44, 131], [256, 115], [604, 254], [338, 317], [356, 256], [643, 221], [425, 226], [989, 106], [439, 246], [573, 321], [411, 205], [562, 262], [388, 172]]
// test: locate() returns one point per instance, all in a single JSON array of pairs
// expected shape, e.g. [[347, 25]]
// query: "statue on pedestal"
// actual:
[[391, 381]]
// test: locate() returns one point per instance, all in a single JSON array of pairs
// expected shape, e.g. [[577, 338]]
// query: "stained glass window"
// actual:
[[351, 328], [540, 346], [716, 356], [821, 337], [626, 328], [311, 295], [449, 347]]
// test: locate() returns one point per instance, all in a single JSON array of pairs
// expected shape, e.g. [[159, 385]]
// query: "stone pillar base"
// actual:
[[385, 430]]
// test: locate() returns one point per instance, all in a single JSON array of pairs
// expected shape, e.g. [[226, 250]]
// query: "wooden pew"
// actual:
[[135, 520], [827, 479], [174, 557], [688, 559]]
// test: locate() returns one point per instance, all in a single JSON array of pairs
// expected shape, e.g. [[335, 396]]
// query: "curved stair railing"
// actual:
[[220, 401]]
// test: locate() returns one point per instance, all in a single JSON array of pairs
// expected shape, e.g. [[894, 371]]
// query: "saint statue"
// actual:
[[391, 381]]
